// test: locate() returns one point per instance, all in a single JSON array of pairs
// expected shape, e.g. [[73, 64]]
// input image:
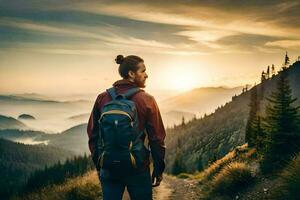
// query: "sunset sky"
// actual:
[[68, 46]]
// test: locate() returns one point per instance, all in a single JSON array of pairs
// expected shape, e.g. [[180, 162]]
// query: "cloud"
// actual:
[[254, 19], [168, 26], [103, 36], [284, 44], [183, 53]]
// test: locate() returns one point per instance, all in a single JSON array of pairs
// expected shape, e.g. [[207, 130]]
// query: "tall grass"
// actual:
[[240, 153], [231, 179], [290, 181], [83, 187]]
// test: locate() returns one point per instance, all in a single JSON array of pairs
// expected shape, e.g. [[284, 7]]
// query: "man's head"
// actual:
[[132, 68]]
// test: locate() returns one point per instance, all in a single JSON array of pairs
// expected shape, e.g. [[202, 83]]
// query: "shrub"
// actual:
[[231, 179], [183, 175], [240, 153], [290, 176]]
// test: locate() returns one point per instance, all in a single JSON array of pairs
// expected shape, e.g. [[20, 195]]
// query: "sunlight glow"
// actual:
[[182, 78]]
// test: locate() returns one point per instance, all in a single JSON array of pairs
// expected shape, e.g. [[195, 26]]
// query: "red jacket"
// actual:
[[149, 119]]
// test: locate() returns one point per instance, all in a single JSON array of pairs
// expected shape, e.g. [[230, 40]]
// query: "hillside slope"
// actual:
[[74, 139], [204, 140], [200, 100], [17, 161], [11, 123]]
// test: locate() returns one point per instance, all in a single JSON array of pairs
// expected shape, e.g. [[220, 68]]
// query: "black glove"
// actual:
[[156, 178]]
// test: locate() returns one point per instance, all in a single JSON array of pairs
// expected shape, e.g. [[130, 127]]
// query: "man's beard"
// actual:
[[140, 84]]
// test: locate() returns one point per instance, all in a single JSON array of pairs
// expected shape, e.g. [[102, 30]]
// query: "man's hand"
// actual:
[[96, 161], [156, 179]]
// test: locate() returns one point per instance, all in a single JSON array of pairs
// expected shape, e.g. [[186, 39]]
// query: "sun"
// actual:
[[183, 83], [183, 79]]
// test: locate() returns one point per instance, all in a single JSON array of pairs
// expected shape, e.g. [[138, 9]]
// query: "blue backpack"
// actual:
[[121, 148]]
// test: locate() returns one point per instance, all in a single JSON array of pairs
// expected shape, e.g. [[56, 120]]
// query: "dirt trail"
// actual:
[[182, 189], [173, 188]]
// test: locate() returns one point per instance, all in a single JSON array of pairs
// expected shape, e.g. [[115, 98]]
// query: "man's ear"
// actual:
[[131, 75]]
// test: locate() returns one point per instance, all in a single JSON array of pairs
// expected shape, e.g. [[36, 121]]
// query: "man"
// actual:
[[140, 183]]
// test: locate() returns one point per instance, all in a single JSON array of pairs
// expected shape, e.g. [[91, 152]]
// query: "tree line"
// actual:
[[276, 133], [58, 173]]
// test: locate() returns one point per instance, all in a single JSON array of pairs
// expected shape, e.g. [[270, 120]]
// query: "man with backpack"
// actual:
[[123, 117]]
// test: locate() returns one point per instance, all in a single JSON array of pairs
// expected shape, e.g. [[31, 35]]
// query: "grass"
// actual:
[[241, 153], [83, 187], [290, 181], [184, 175], [231, 179]]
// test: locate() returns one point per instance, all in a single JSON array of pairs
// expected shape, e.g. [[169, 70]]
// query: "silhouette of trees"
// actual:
[[286, 61], [251, 131], [18, 161], [58, 173], [268, 72], [183, 121], [178, 165], [281, 125], [273, 72]]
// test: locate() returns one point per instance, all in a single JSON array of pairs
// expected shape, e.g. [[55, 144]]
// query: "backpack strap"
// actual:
[[131, 92], [112, 92]]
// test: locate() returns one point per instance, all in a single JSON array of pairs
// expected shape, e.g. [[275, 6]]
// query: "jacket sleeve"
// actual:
[[156, 135], [93, 131]]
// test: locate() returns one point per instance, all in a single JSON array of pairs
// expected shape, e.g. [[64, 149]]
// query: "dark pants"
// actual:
[[138, 186]]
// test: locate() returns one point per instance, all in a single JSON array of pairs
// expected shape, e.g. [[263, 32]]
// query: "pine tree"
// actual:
[[259, 134], [183, 121], [268, 72], [273, 70], [178, 166], [250, 136], [263, 76], [281, 126], [286, 61]]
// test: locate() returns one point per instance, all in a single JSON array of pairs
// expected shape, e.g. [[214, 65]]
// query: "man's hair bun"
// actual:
[[119, 59]]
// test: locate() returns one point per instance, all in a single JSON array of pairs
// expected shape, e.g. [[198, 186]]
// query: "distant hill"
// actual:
[[35, 96], [24, 136], [51, 116], [16, 99], [204, 140], [17, 161], [74, 139], [29, 99], [11, 123], [26, 116], [80, 117], [175, 117], [200, 100]]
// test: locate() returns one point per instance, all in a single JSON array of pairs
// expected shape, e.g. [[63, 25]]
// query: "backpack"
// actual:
[[122, 150]]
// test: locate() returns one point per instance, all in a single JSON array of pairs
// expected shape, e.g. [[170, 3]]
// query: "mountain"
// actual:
[[26, 117], [80, 117], [74, 139], [175, 117], [51, 116], [35, 96], [206, 139], [24, 136], [17, 161], [200, 100], [11, 123]]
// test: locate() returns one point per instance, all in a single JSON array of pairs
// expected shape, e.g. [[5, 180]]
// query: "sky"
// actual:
[[69, 46]]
